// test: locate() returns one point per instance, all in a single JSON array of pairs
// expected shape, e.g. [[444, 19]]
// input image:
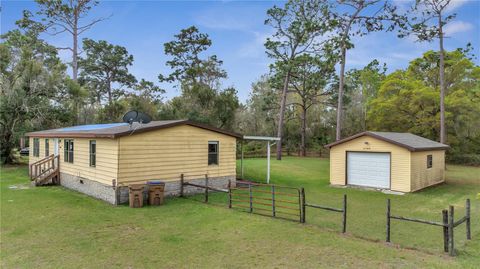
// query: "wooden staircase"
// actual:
[[45, 171]]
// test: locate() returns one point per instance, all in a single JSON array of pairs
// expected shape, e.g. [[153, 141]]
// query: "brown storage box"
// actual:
[[155, 194], [135, 195]]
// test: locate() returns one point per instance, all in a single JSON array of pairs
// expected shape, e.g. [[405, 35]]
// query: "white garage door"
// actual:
[[368, 169]]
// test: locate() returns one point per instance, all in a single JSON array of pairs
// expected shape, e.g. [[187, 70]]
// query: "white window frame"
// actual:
[[217, 153]]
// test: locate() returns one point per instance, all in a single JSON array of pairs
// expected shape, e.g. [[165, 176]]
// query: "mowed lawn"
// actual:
[[52, 227]]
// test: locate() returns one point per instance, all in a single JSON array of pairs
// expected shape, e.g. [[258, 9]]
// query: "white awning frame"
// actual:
[[268, 139]]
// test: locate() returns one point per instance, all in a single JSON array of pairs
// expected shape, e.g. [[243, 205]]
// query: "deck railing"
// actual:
[[44, 166]]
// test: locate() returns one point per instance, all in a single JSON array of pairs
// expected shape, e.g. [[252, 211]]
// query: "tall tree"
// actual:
[[187, 66], [199, 79], [105, 66], [31, 74], [298, 26], [364, 85], [357, 18], [73, 98], [147, 98], [62, 16], [310, 76], [426, 22], [258, 116], [408, 101]]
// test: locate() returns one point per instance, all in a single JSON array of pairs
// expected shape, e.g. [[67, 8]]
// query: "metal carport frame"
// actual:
[[260, 138]]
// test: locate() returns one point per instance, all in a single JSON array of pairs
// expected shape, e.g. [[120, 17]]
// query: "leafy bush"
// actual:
[[465, 159]]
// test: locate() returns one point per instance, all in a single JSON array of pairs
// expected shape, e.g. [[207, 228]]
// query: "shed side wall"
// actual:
[[421, 175], [400, 161], [106, 158], [165, 154]]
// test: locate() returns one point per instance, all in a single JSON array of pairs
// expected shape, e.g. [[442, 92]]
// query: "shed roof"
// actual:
[[114, 130], [406, 140]]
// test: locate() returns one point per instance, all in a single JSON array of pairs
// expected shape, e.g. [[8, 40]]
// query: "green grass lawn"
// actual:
[[52, 227]]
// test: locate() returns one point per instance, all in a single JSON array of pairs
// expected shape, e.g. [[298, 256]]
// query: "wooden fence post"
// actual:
[[229, 193], [274, 213], [250, 196], [388, 220], [206, 188], [445, 229], [451, 221], [181, 185], [467, 216], [303, 212], [344, 230], [300, 206]]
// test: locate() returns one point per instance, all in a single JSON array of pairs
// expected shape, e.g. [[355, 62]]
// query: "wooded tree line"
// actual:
[[308, 98]]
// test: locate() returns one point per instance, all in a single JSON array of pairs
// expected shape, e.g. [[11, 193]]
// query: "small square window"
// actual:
[[212, 152], [429, 161]]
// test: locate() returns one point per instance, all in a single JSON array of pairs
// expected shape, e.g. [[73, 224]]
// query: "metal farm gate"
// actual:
[[267, 199]]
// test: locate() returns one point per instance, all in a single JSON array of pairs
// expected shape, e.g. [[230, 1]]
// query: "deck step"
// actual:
[[46, 178]]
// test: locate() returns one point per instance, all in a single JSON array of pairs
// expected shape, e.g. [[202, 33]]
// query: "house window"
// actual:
[[36, 147], [429, 161], [47, 148], [93, 153], [68, 150], [212, 152]]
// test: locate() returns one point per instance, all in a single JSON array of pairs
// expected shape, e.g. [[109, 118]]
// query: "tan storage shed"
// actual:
[[401, 162]]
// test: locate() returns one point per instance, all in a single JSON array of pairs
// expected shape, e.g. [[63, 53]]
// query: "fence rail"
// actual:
[[342, 210], [206, 186], [448, 224], [281, 201]]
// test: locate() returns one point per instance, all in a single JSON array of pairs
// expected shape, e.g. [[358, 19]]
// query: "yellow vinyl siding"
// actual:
[[107, 158], [421, 175], [167, 153], [400, 161], [41, 155]]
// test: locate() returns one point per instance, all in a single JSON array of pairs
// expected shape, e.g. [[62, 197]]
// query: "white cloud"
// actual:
[[254, 48], [457, 27], [222, 19], [405, 5], [455, 4]]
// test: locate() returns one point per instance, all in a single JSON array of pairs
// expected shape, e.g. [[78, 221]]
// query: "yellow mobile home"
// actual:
[[395, 161], [102, 160]]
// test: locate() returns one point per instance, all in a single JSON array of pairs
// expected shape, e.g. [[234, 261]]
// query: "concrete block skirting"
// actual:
[[172, 188], [88, 187], [120, 195]]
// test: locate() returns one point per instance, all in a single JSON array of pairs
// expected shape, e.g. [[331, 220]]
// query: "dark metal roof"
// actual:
[[406, 140], [114, 130]]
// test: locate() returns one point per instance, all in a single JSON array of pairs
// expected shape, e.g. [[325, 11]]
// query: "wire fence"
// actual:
[[291, 203]]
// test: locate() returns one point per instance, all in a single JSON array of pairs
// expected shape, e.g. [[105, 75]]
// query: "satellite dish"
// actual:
[[143, 118], [130, 116]]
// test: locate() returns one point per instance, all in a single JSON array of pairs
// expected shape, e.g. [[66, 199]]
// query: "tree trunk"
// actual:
[[109, 91], [304, 130], [75, 49], [442, 83], [365, 112], [338, 135], [7, 147], [282, 115], [7, 144]]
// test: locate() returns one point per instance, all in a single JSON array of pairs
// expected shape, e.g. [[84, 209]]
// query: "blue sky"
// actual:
[[238, 32]]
